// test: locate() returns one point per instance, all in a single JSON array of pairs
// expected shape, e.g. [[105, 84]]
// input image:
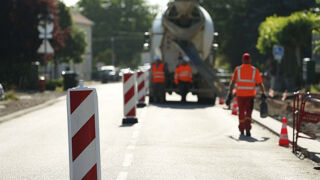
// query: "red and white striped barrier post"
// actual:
[[147, 81], [141, 89], [83, 133], [129, 99]]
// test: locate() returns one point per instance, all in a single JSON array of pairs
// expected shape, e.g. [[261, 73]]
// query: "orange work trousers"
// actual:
[[245, 110]]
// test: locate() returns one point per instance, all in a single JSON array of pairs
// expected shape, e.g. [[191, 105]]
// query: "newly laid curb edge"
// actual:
[[29, 110]]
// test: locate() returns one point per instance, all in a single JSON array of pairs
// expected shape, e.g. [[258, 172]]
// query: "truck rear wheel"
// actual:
[[207, 100]]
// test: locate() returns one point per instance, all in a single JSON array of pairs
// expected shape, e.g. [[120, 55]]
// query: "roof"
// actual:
[[80, 19]]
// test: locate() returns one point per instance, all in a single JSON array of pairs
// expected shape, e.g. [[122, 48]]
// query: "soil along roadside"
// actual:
[[27, 100]]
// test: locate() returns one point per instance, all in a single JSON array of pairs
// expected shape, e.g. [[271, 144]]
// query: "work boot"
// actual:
[[242, 133], [248, 133]]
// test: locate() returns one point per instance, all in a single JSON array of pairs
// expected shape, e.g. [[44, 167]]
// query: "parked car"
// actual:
[[109, 73], [1, 92]]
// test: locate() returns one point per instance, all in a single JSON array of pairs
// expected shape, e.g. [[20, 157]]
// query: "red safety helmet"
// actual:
[[246, 58]]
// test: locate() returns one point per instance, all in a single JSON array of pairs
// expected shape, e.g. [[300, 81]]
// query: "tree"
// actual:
[[19, 35], [294, 33], [75, 44], [123, 20], [237, 22]]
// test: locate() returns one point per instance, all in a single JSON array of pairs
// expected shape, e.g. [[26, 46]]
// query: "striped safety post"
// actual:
[[83, 133], [141, 89], [147, 81], [129, 98]]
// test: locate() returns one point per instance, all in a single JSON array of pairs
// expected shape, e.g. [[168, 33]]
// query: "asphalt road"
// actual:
[[171, 141]]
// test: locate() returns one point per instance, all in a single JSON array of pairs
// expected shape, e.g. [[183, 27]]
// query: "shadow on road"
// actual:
[[249, 139], [127, 125], [181, 105]]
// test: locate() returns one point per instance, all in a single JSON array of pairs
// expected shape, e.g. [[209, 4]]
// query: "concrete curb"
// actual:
[[29, 110], [312, 147]]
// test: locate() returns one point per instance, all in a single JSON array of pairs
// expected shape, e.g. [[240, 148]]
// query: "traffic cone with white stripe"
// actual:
[[221, 101], [284, 141]]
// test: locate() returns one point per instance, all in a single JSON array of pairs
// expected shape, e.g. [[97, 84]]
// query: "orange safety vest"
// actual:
[[158, 75], [246, 80], [183, 73]]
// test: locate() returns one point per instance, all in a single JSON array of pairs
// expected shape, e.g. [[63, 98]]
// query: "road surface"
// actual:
[[171, 141]]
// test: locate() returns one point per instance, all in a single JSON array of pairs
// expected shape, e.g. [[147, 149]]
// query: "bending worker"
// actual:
[[246, 77], [183, 78], [159, 70]]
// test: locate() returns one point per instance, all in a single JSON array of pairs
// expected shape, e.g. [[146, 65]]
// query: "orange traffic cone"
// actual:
[[234, 109], [221, 101], [284, 141]]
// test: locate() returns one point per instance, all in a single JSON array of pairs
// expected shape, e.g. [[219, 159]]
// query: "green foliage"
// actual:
[[11, 95], [123, 20], [104, 57], [53, 84], [294, 34], [220, 62], [292, 31], [75, 43], [315, 88], [237, 22], [19, 37]]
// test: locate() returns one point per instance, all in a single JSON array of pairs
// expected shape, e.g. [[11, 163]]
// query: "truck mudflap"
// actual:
[[204, 70]]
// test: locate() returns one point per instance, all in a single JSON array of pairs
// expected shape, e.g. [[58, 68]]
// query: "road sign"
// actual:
[[278, 52], [43, 36], [45, 47]]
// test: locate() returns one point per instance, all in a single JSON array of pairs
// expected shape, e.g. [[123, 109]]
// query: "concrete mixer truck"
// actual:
[[186, 29]]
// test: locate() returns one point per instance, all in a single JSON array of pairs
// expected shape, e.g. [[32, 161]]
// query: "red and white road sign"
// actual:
[[141, 88], [129, 99], [83, 134]]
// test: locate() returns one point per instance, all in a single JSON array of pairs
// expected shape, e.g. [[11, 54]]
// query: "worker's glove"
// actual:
[[228, 99], [263, 97]]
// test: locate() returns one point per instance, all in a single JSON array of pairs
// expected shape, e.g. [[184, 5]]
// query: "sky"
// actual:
[[161, 3]]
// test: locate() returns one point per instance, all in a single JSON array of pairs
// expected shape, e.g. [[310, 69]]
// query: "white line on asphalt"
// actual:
[[122, 176], [127, 160]]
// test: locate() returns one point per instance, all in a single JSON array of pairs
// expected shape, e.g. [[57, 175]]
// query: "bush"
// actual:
[[11, 95], [52, 84]]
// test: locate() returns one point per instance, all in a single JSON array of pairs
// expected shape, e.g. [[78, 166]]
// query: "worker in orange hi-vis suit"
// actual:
[[246, 77], [183, 78], [158, 73]]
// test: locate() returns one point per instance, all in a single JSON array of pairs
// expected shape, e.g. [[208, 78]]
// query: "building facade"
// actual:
[[84, 69]]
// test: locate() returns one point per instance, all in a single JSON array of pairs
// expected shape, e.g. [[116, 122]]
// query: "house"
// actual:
[[84, 24]]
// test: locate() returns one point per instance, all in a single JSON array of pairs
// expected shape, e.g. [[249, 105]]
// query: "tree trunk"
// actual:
[[56, 64], [298, 55]]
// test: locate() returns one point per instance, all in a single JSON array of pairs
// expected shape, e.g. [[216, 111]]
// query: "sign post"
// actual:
[[45, 29], [278, 52]]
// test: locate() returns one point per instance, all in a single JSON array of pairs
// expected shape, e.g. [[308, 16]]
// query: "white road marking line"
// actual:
[[127, 160], [122, 176], [135, 134]]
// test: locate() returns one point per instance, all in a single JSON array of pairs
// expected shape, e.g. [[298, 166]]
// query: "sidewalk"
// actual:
[[29, 102], [312, 146]]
